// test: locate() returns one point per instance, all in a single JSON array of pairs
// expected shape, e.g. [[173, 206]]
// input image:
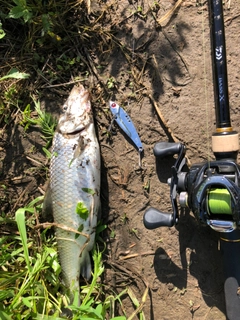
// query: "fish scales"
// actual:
[[74, 180]]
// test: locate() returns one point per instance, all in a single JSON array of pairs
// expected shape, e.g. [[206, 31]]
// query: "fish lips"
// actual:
[[72, 126], [73, 131]]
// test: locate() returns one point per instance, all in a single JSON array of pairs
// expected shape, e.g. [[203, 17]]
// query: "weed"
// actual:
[[2, 32], [15, 74], [48, 153], [135, 232], [33, 291], [100, 228], [146, 186], [124, 219], [29, 272], [111, 83], [34, 15], [112, 234], [21, 10], [26, 114], [9, 96], [44, 120]]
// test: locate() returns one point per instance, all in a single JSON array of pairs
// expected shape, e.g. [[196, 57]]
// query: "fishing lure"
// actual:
[[125, 123]]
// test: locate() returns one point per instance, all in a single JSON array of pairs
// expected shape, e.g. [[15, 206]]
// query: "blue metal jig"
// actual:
[[126, 124]]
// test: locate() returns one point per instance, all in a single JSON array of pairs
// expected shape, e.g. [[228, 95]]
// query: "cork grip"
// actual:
[[225, 143]]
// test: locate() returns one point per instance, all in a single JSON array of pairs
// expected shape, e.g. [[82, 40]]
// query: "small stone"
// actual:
[[170, 286]]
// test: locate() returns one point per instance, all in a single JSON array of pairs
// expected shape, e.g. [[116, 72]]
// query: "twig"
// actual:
[[164, 122], [140, 307], [154, 102], [129, 272], [19, 179], [35, 161], [229, 20], [170, 12], [13, 117], [29, 187], [130, 256], [65, 228], [61, 226], [61, 84], [41, 190]]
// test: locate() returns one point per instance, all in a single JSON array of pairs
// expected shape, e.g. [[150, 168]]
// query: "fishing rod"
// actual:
[[211, 190]]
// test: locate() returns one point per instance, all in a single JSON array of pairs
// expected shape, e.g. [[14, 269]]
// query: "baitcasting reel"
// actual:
[[211, 190]]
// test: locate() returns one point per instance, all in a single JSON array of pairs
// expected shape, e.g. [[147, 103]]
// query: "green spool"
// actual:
[[219, 201]]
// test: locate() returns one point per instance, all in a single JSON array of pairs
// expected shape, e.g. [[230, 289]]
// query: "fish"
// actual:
[[75, 187]]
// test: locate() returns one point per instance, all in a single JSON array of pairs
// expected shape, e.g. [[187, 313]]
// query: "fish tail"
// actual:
[[85, 267]]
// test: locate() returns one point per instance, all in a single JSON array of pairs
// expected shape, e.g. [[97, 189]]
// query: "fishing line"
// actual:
[[219, 201]]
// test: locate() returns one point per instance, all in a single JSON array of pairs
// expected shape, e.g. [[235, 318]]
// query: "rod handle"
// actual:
[[231, 265]]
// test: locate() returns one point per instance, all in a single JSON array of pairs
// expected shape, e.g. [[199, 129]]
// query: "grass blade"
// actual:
[[20, 219], [15, 74]]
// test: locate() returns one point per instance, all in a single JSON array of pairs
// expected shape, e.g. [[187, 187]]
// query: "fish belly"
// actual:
[[72, 173]]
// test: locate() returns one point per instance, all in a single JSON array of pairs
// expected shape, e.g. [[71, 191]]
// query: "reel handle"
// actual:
[[163, 149], [153, 218]]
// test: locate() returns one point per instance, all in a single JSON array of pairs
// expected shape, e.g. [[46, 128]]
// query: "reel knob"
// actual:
[[163, 149], [154, 218]]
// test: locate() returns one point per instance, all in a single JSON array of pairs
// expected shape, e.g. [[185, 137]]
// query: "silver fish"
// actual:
[[75, 186]]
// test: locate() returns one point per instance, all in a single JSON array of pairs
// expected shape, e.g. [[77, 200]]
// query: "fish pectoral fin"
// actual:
[[78, 149], [85, 267], [47, 209]]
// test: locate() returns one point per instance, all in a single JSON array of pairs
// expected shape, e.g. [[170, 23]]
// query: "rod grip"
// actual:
[[231, 264]]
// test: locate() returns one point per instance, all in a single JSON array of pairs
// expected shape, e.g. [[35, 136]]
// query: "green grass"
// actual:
[[44, 120], [29, 278]]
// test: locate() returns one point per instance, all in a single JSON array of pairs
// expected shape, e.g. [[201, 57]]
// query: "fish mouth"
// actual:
[[77, 131], [73, 132], [69, 128]]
